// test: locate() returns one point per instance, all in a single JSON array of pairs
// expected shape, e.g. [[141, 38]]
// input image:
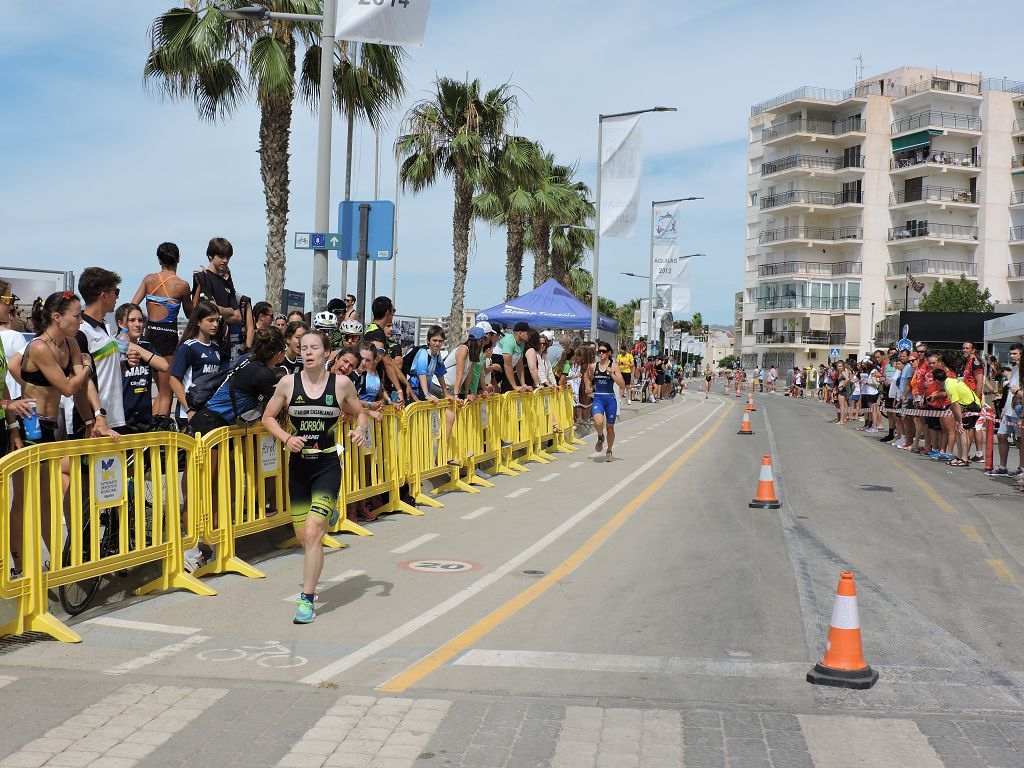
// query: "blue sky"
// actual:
[[97, 170]]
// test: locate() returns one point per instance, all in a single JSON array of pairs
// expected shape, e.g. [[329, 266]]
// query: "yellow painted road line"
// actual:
[[1002, 572], [429, 664], [971, 534]]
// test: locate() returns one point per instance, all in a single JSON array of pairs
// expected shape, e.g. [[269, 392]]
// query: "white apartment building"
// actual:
[[911, 171]]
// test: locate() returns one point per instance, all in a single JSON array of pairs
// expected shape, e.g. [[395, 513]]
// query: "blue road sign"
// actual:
[[834, 353], [380, 234], [324, 241]]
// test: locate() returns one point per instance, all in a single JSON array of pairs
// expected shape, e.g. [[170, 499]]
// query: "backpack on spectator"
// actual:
[[409, 358]]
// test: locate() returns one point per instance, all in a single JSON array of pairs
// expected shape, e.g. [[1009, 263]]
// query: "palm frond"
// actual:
[[270, 71]]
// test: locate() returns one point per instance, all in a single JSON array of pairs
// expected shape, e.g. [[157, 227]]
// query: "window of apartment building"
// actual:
[[748, 327], [851, 157], [853, 294], [753, 199], [852, 191], [913, 189]]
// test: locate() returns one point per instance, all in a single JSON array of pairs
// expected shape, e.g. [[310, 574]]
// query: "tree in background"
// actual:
[[961, 295], [729, 361], [454, 133], [697, 324]]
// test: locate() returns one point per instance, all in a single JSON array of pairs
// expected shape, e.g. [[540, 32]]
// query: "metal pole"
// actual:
[[322, 209], [364, 227], [906, 292], [376, 196], [872, 327], [650, 284], [597, 233], [394, 251], [350, 120]]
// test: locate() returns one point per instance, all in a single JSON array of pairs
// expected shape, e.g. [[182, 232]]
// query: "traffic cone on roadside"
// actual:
[[764, 497], [745, 426], [844, 665], [750, 403], [738, 392]]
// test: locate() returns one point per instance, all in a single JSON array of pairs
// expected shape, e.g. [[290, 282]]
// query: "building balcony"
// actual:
[[900, 305], [1017, 198], [1017, 235], [810, 235], [935, 232], [815, 97], [918, 267], [813, 129], [945, 122], [810, 268], [1015, 271], [803, 338], [1018, 129], [812, 164], [811, 303], [1017, 164], [810, 198], [935, 160], [937, 85], [930, 194]]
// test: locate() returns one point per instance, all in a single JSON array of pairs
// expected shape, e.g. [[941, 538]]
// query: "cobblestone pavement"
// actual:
[[105, 725]]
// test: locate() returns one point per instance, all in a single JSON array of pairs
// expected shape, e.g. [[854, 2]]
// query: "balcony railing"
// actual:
[[810, 233], [802, 337], [940, 84], [932, 267], [810, 162], [1001, 84], [899, 305], [766, 303], [961, 159], [1018, 126], [934, 195], [810, 197], [823, 127], [926, 229], [809, 92], [1017, 161], [1016, 269], [941, 119], [1017, 197], [817, 268], [1017, 233]]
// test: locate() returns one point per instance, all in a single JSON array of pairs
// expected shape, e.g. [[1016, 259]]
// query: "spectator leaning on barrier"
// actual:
[[138, 363], [214, 285], [197, 355], [1009, 420], [511, 349], [99, 289], [383, 311], [974, 377], [426, 366]]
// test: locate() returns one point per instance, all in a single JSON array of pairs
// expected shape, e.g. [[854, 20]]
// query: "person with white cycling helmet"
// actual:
[[351, 333], [327, 322]]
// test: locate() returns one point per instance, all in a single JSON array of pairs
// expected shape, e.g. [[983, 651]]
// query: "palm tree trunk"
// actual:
[[541, 251], [559, 271], [275, 132], [461, 217], [513, 255]]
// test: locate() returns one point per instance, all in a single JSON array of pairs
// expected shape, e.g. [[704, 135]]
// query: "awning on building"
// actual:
[[914, 140]]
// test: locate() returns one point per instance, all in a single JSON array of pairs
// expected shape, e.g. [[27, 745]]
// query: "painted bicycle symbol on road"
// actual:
[[272, 655]]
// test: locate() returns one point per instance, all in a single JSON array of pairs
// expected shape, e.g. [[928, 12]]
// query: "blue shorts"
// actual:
[[607, 406]]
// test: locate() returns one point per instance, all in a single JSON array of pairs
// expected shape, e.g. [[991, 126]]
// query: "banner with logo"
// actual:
[[395, 22], [622, 165], [669, 269]]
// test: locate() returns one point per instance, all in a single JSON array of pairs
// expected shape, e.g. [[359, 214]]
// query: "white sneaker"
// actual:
[[193, 560]]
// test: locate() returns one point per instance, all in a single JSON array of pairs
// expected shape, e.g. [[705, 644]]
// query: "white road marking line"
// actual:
[[576, 464], [613, 662], [552, 476], [158, 655], [399, 633], [145, 626], [867, 741], [517, 493], [5, 680], [476, 513], [411, 545], [346, 575]]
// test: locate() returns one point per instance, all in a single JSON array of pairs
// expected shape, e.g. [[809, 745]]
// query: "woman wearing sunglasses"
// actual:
[[601, 378]]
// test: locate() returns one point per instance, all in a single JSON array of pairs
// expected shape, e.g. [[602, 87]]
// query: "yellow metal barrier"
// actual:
[[430, 450], [124, 507], [567, 418], [517, 430]]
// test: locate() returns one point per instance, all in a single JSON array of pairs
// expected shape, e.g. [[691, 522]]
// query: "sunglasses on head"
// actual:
[[9, 299]]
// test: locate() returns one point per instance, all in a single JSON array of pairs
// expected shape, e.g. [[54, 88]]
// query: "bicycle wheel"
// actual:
[[222, 654], [76, 596], [281, 661]]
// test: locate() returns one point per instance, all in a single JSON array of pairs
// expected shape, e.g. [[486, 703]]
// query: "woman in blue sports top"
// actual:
[[601, 377], [165, 294]]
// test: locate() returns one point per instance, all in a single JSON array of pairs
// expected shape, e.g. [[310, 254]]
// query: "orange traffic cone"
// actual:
[[738, 393], [750, 403], [745, 426], [844, 665], [765, 497]]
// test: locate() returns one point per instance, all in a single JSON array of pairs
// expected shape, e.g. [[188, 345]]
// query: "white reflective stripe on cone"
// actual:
[[766, 472], [844, 613]]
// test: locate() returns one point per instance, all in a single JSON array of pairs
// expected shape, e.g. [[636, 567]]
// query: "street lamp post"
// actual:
[[322, 205], [650, 282], [597, 189]]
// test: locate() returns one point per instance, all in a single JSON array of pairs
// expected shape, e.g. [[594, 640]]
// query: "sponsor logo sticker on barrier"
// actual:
[[483, 415], [108, 486], [519, 409], [435, 424], [268, 454]]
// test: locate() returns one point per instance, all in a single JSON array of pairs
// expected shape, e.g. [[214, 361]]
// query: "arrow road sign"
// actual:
[[323, 241]]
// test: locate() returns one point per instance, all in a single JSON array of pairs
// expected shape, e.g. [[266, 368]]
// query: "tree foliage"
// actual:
[[961, 295], [729, 361]]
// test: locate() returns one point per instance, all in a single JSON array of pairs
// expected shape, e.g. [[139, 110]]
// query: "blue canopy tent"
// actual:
[[548, 305]]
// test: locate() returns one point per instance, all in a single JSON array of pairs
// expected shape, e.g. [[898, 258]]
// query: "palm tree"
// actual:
[[558, 200], [452, 134], [697, 324], [198, 54], [507, 200]]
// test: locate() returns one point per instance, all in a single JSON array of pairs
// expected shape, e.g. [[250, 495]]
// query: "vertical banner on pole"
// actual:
[[401, 23], [671, 273], [622, 165]]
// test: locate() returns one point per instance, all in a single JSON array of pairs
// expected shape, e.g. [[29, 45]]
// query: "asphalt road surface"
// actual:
[[581, 615]]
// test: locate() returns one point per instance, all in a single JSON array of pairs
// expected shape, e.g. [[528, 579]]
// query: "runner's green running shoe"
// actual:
[[303, 612]]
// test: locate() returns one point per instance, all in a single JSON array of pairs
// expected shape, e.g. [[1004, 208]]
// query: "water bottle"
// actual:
[[30, 424], [122, 342]]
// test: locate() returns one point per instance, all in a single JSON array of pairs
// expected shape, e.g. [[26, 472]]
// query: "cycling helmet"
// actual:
[[351, 328], [325, 321]]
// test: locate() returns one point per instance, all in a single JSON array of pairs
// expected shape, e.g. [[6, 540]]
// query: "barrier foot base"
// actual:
[[456, 484], [503, 470], [858, 679], [516, 466], [474, 480], [404, 508], [180, 580], [347, 526], [544, 455], [536, 457], [233, 564], [577, 441], [45, 623], [422, 498]]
